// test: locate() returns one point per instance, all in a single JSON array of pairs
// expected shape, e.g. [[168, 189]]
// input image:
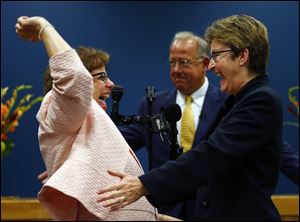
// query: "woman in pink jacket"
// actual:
[[78, 140]]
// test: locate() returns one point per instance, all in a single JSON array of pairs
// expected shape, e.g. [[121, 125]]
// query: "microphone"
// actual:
[[150, 94], [161, 122], [116, 94], [172, 114]]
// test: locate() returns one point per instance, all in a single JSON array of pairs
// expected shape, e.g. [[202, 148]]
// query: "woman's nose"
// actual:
[[110, 84]]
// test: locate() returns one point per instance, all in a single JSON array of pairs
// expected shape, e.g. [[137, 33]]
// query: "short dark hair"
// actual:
[[91, 58]]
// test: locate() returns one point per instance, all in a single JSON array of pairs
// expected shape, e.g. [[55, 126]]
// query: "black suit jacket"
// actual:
[[235, 171]]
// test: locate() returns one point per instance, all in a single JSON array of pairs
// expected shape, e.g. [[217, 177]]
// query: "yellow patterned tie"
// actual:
[[187, 126]]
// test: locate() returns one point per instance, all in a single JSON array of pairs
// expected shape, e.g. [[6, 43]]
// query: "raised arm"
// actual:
[[38, 28], [72, 83]]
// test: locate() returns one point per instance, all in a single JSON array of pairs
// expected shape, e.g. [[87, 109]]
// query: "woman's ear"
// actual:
[[244, 56]]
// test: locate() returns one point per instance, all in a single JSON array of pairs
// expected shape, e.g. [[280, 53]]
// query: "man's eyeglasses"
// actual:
[[182, 62], [102, 76], [215, 55]]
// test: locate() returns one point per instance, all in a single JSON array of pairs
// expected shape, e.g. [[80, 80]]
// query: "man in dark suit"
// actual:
[[233, 172]]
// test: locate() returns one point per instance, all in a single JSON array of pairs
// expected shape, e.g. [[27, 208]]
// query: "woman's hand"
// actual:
[[28, 28], [38, 28], [129, 190]]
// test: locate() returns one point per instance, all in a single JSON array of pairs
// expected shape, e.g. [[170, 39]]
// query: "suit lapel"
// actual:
[[213, 101]]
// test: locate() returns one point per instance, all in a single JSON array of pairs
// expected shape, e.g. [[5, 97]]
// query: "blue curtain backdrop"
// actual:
[[137, 35]]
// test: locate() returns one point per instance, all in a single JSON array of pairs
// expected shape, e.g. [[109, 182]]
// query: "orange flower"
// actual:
[[12, 126], [4, 110], [3, 137], [11, 113]]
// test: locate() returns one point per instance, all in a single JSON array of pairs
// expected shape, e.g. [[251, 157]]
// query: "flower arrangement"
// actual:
[[295, 109], [11, 112]]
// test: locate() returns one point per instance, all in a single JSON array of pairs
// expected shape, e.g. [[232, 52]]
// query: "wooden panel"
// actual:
[[22, 209], [31, 209], [288, 206]]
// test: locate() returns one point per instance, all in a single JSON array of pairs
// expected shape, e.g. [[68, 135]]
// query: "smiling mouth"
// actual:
[[104, 96], [180, 79]]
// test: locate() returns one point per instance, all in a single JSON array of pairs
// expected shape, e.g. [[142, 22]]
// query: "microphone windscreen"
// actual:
[[117, 92], [172, 113]]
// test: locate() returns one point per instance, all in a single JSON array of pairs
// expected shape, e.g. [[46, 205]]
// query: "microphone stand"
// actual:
[[150, 98], [175, 149]]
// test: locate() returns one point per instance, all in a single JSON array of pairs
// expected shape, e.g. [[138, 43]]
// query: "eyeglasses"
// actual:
[[182, 62], [215, 55], [102, 76]]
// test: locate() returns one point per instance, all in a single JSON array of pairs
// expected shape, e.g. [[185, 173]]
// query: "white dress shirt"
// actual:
[[197, 104]]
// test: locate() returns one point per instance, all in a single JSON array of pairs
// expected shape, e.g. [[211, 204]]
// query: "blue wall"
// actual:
[[137, 35]]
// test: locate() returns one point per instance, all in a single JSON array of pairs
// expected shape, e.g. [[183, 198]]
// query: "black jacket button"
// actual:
[[205, 204]]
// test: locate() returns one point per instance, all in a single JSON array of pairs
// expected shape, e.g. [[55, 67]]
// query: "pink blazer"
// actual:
[[78, 143]]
